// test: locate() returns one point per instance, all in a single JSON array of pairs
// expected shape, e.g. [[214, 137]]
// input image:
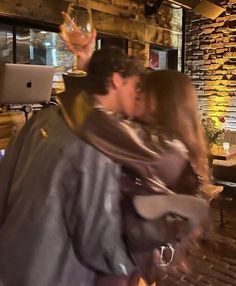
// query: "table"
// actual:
[[217, 152]]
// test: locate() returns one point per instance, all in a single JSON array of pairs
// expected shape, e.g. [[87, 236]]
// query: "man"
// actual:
[[59, 196]]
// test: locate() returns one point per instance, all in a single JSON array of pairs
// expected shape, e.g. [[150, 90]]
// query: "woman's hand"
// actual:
[[81, 45]]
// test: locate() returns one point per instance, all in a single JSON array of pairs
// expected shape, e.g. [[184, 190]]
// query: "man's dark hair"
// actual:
[[104, 63]]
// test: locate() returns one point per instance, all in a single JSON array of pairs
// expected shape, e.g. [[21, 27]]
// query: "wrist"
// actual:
[[83, 61]]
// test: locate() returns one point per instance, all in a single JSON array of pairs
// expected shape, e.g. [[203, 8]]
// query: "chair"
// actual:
[[225, 176], [230, 136], [74, 84]]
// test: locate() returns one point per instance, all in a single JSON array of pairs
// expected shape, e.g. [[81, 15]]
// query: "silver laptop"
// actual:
[[21, 84]]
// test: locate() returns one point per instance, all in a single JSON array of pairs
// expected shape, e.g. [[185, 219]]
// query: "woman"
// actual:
[[168, 122], [168, 108]]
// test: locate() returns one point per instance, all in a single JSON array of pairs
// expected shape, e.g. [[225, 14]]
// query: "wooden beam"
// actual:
[[109, 9]]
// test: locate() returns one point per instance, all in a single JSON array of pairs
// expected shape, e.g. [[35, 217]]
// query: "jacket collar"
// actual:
[[75, 108]]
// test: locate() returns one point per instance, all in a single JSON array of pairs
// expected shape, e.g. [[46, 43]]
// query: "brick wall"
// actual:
[[211, 62]]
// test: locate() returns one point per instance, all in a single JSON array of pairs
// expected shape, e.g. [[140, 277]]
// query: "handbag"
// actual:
[[161, 222]]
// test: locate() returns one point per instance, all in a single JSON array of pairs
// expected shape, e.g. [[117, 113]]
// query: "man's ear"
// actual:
[[116, 80]]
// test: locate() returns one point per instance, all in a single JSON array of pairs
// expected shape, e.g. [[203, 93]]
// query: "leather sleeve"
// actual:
[[7, 165], [120, 142], [93, 216]]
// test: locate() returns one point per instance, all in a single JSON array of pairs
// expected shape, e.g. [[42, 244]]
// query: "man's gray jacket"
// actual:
[[59, 208]]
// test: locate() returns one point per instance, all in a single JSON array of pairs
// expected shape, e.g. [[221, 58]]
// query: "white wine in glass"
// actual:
[[77, 24]]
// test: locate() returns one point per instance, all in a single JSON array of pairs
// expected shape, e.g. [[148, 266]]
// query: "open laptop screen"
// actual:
[[21, 83]]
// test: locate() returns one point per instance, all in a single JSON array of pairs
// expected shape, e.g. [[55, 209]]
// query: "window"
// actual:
[[162, 58], [6, 44]]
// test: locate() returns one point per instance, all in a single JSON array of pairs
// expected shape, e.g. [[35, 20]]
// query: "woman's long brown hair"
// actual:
[[177, 112]]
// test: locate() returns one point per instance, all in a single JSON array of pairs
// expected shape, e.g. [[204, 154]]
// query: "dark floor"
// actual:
[[212, 266]]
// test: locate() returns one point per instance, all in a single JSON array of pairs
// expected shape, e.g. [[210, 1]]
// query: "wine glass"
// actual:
[[77, 24], [226, 146]]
